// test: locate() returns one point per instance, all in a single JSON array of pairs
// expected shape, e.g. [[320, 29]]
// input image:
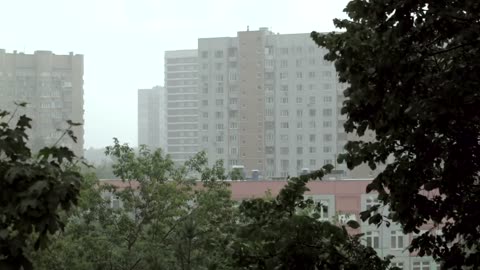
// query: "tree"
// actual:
[[163, 220], [34, 189], [275, 234], [413, 70], [236, 174]]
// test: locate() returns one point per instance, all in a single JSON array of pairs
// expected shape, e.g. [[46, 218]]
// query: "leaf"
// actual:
[[353, 224]]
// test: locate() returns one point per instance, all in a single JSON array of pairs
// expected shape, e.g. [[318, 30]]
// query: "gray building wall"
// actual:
[[152, 126], [181, 84], [267, 102], [52, 85]]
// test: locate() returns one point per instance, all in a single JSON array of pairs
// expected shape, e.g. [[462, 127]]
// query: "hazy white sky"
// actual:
[[123, 42]]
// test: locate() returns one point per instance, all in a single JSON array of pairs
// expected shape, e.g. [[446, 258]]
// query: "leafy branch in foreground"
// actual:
[[33, 191]]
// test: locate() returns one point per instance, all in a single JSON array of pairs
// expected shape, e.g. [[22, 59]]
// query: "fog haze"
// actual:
[[123, 42]]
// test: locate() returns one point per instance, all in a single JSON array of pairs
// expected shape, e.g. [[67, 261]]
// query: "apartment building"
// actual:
[[181, 80], [268, 102], [152, 118], [52, 85]]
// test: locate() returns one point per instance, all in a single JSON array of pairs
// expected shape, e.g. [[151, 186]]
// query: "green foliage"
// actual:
[[275, 234], [413, 69], [162, 220], [236, 174], [33, 192]]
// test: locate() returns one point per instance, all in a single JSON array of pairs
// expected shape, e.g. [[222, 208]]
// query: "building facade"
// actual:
[[152, 118], [52, 87], [181, 80], [268, 102]]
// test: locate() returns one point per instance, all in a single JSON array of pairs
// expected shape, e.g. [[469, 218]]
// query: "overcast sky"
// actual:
[[123, 42]]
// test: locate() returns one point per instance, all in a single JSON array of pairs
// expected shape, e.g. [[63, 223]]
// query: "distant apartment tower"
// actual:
[[52, 85], [152, 126], [268, 102], [181, 84]]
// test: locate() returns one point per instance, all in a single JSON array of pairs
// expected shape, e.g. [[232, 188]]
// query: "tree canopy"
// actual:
[[34, 189], [413, 70]]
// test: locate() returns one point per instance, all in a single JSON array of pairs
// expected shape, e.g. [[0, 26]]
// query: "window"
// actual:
[[421, 265], [284, 163], [312, 137], [299, 163], [313, 162], [327, 149], [396, 239], [299, 150], [284, 63], [312, 124], [205, 139], [204, 54], [283, 75], [397, 264], [311, 61], [219, 126], [373, 239], [205, 126], [233, 125], [205, 115], [284, 113], [284, 100], [313, 150], [327, 99], [219, 138], [299, 113], [232, 52], [233, 138], [219, 102], [327, 86], [299, 100], [284, 87], [311, 74], [311, 100], [219, 115], [219, 151], [284, 150], [299, 75], [284, 138], [312, 112], [299, 87], [218, 66], [299, 137], [299, 62], [269, 99], [327, 74], [300, 124], [327, 112], [204, 102], [327, 161], [284, 125], [218, 54], [327, 124], [233, 101], [219, 77], [284, 51]]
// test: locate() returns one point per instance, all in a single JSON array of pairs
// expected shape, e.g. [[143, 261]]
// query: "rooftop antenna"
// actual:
[[248, 28]]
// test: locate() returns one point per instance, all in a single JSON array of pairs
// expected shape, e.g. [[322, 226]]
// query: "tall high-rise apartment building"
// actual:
[[181, 80], [268, 102], [152, 119], [264, 101], [52, 85]]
